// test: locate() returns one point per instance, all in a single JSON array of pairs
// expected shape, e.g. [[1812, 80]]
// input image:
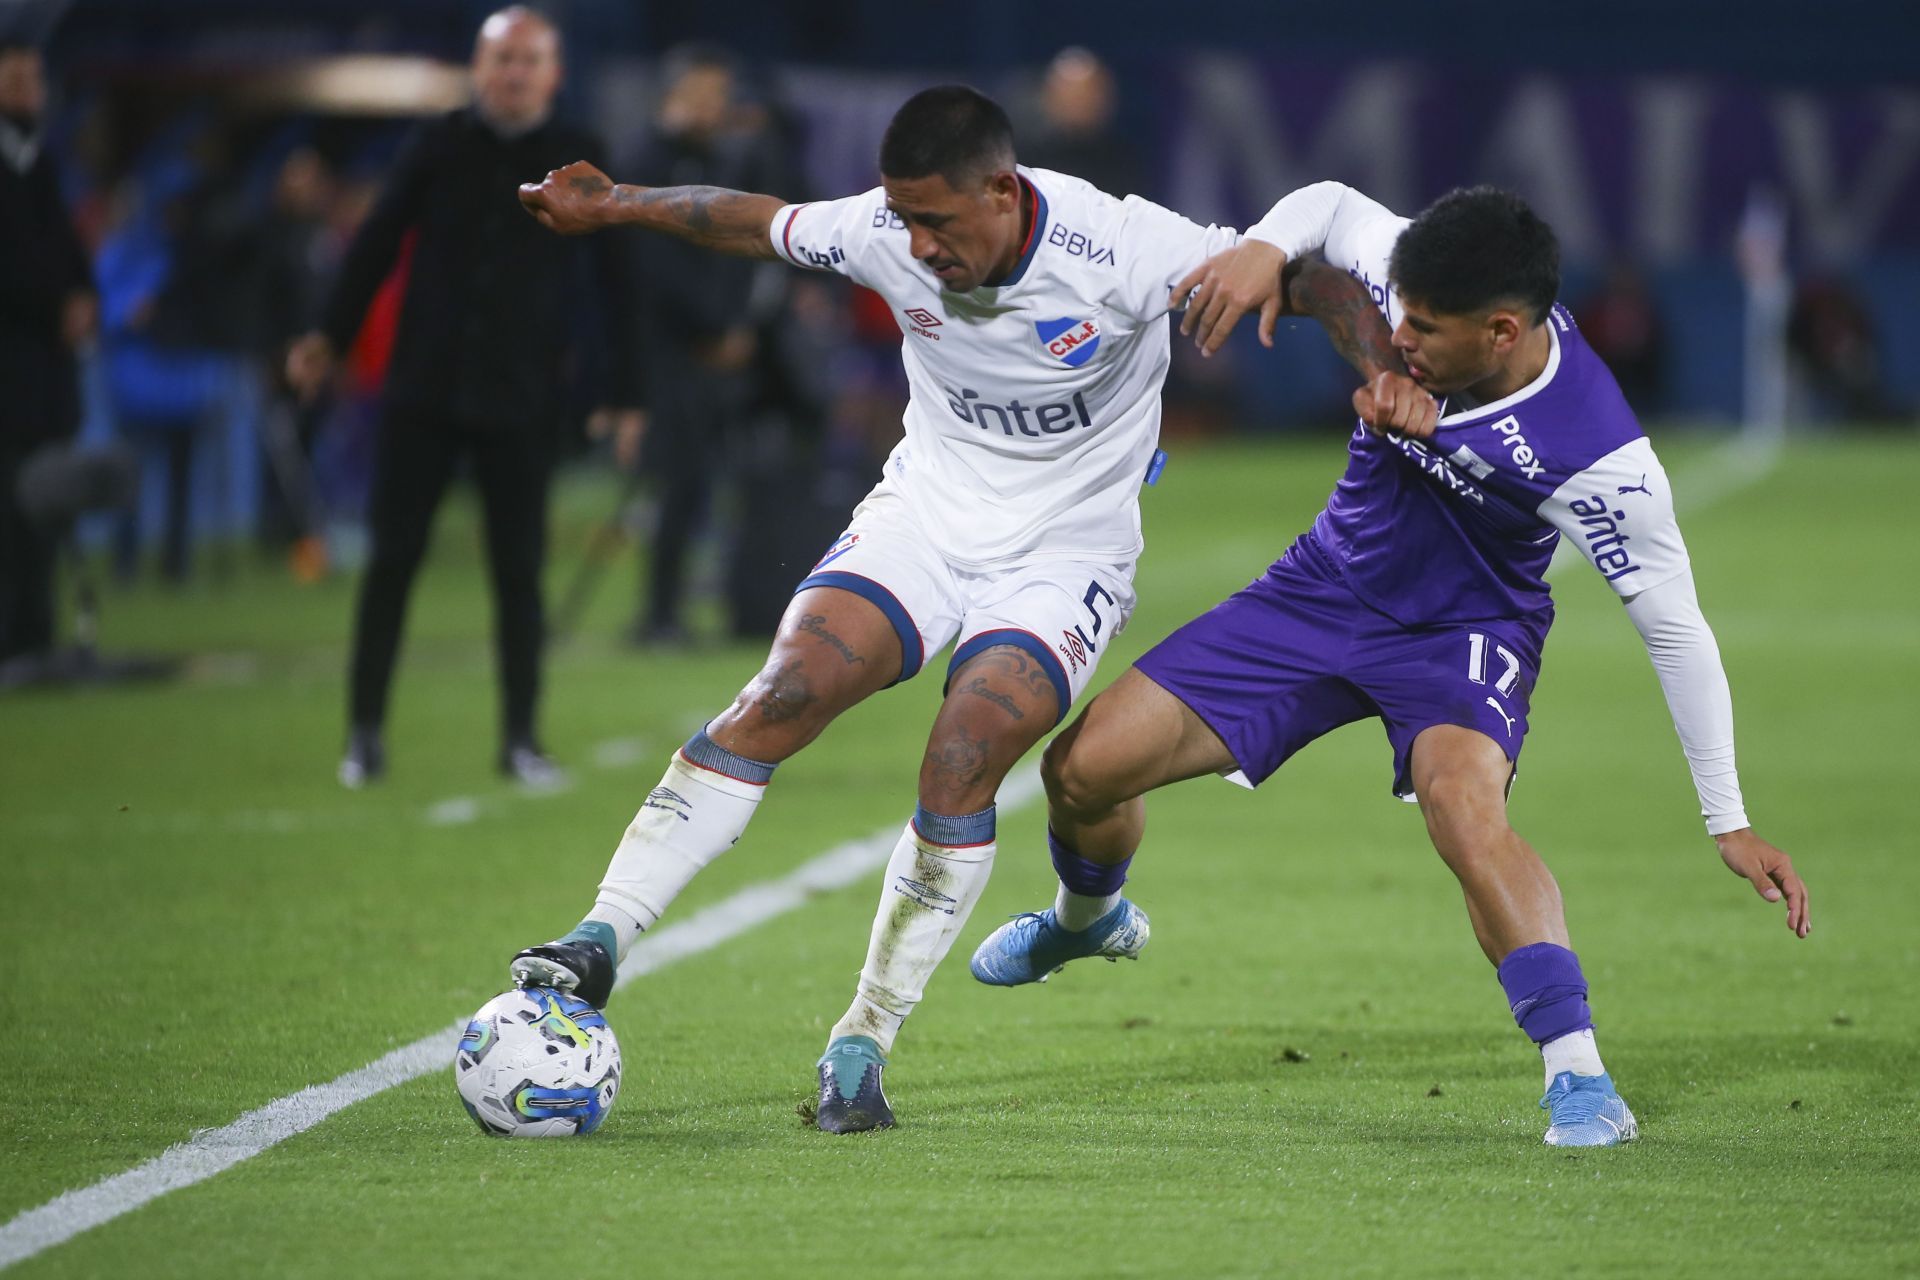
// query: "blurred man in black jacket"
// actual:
[[47, 308], [478, 366]]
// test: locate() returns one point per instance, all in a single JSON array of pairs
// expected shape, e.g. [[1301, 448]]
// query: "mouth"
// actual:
[[946, 271]]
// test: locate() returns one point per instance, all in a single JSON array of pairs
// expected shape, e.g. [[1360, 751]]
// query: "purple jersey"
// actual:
[[1463, 526]]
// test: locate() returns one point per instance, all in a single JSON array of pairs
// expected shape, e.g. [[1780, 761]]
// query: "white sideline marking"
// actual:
[[210, 1151], [456, 811], [618, 753]]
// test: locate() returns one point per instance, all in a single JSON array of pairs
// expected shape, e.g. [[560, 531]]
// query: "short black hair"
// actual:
[[1474, 248], [952, 130]]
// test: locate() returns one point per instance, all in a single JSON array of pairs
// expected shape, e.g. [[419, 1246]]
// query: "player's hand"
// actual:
[[571, 201], [309, 365], [1395, 402], [1770, 871], [1227, 286]]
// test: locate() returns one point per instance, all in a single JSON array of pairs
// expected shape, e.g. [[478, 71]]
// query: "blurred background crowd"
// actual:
[[1752, 199]]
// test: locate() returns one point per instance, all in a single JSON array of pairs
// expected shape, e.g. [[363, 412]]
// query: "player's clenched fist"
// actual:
[[572, 201], [1395, 402]]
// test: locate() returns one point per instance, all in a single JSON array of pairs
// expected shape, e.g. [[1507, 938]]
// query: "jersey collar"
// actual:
[[1527, 392], [1035, 234]]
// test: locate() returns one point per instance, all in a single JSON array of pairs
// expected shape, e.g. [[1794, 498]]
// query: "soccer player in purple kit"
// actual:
[[1419, 596]]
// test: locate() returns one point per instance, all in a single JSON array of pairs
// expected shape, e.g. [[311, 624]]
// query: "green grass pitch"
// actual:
[[1311, 1071]]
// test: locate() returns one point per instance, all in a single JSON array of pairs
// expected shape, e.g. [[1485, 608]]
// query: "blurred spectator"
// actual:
[[174, 275], [1831, 334], [703, 316], [478, 366], [1076, 134], [295, 260], [1622, 326], [47, 309]]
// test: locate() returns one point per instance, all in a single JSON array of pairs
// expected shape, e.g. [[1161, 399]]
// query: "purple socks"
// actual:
[[1545, 990], [1088, 879]]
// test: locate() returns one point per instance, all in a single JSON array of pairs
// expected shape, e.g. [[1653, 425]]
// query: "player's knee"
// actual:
[[1074, 788], [962, 769], [781, 710], [1463, 807]]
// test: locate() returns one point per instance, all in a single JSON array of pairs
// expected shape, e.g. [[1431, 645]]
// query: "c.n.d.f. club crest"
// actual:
[[1071, 342]]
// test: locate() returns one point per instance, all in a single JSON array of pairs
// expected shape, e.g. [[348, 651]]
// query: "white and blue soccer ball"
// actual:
[[537, 1063]]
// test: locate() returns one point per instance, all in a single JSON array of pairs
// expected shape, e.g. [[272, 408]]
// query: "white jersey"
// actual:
[[1035, 403]]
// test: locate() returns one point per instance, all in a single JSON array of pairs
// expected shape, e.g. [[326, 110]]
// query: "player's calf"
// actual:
[[1460, 777]]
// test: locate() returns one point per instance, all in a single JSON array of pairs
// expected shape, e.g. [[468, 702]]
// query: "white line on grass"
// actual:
[[213, 1150]]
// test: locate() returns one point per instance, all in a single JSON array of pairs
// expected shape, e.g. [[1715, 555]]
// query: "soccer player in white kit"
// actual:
[[1033, 313]]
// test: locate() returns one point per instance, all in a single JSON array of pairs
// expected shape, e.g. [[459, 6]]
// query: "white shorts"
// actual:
[[1064, 614]]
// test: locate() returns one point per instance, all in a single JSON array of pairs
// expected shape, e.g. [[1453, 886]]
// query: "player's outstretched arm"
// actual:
[[1687, 659], [580, 198]]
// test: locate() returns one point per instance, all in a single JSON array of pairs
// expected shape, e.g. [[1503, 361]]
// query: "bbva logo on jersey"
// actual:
[[1071, 342]]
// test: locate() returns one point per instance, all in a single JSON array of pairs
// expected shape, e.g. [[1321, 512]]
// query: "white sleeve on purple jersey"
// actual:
[[1687, 659], [1330, 216], [1161, 246], [833, 235], [1619, 514]]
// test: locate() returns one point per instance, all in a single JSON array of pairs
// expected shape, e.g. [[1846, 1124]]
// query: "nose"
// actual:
[[1403, 337], [921, 245]]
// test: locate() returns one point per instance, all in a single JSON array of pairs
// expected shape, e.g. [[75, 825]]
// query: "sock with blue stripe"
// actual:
[[1088, 890], [936, 874], [697, 813]]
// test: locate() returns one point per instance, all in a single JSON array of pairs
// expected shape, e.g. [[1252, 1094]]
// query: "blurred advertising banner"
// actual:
[[1656, 166]]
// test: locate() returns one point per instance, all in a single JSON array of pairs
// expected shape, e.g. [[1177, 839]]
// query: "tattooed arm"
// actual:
[[580, 198], [1256, 276], [1389, 400], [1344, 308]]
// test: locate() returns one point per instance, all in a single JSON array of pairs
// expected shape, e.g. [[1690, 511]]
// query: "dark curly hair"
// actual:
[[1475, 248]]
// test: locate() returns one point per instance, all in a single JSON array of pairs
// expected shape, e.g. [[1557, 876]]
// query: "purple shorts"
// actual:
[[1296, 655]]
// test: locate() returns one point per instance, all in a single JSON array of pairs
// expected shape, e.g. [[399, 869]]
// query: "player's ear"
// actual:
[[1003, 188], [1504, 329]]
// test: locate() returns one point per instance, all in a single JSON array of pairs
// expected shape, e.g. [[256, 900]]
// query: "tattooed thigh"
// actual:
[[815, 624]]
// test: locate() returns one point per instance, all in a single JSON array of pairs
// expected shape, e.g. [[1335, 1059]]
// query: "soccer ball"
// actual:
[[537, 1063]]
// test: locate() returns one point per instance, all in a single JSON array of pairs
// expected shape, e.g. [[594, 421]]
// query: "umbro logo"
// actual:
[[670, 800], [926, 895], [920, 315]]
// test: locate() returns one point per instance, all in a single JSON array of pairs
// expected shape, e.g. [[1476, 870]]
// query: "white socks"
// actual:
[[696, 814], [1076, 912], [1575, 1052], [930, 890]]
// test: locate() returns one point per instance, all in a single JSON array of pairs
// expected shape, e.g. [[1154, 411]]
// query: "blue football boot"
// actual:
[[851, 1099], [1587, 1112], [1032, 946]]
